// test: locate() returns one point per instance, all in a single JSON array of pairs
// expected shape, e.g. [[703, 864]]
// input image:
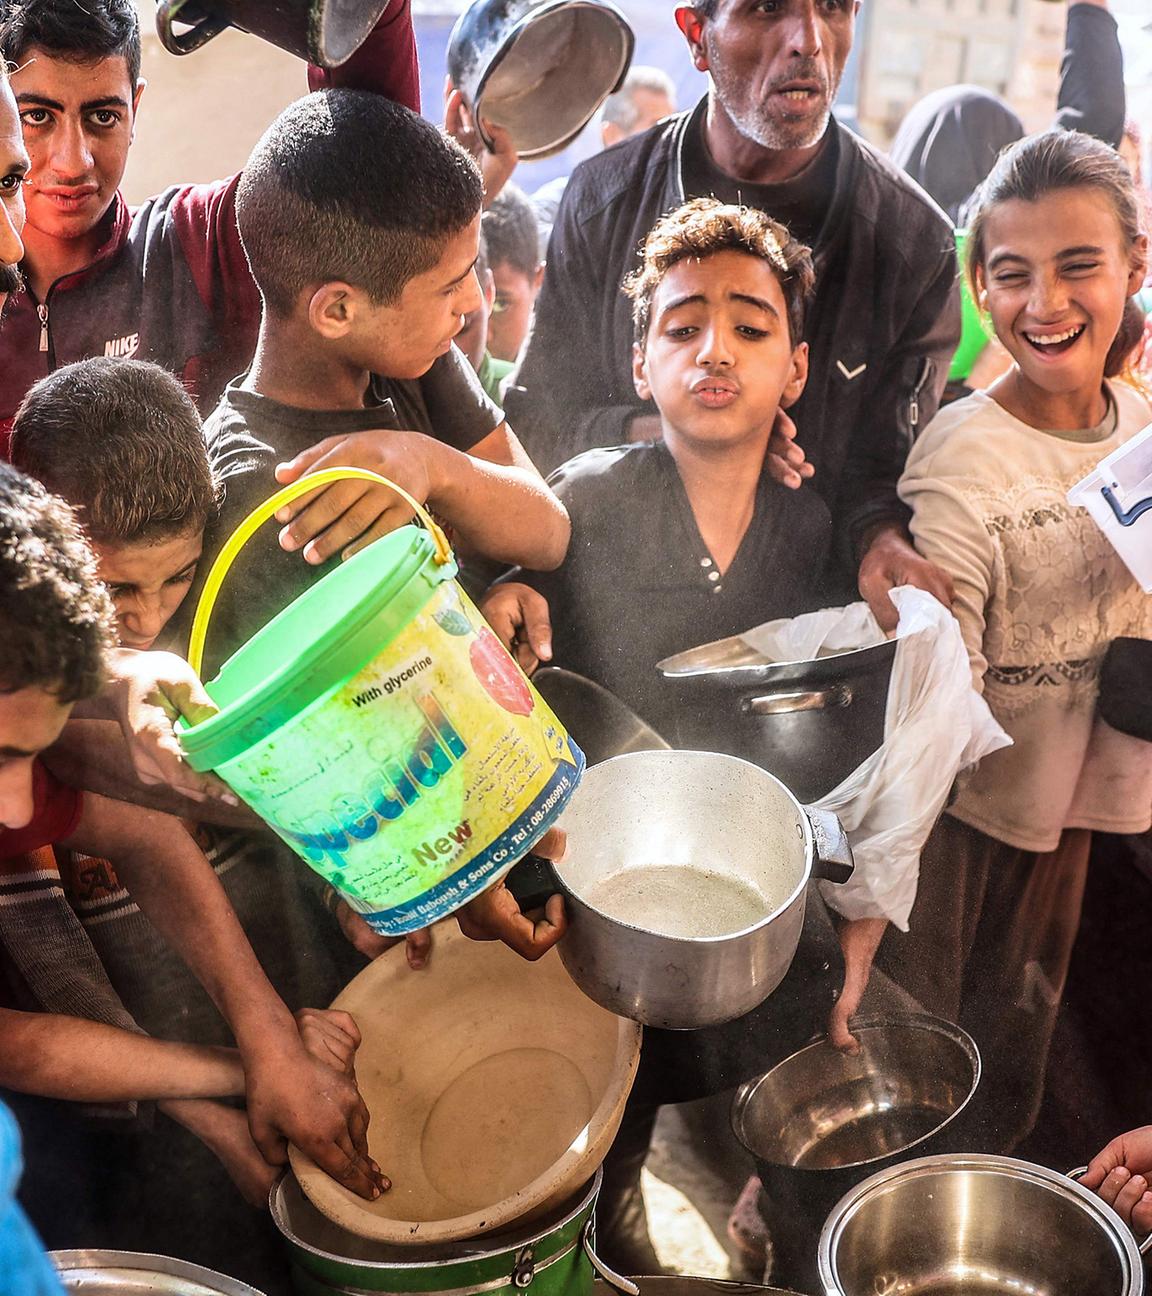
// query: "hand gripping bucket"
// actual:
[[381, 729]]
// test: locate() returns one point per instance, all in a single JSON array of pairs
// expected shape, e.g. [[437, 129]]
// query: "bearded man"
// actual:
[[885, 318]]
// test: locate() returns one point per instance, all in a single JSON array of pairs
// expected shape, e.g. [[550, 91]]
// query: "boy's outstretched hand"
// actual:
[[146, 693], [295, 1097], [859, 940], [1122, 1175], [521, 620], [496, 915]]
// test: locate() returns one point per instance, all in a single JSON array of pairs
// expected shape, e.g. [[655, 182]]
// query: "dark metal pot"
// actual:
[[711, 812], [811, 723], [986, 1224], [539, 68], [324, 32], [821, 1121]]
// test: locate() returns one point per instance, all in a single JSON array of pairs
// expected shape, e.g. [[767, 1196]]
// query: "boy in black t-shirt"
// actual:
[[687, 539], [361, 224]]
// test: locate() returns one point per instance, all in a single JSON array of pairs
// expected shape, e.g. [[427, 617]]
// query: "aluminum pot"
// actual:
[[811, 723], [983, 1224], [821, 1121], [554, 1257], [715, 812], [131, 1273], [539, 68], [324, 32]]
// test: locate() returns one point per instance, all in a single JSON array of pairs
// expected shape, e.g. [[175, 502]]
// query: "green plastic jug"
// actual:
[[381, 729]]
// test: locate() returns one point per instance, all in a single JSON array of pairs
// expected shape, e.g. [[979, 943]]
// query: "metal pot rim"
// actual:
[[851, 657], [1011, 1167], [807, 841], [430, 1266], [920, 1021], [72, 1258]]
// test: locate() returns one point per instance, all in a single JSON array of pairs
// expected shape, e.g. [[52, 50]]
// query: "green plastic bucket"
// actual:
[[554, 1256], [382, 730], [975, 331]]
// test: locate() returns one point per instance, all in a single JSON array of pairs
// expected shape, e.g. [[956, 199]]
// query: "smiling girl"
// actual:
[[1055, 254]]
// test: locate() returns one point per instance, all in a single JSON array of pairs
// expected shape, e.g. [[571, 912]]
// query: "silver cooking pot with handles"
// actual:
[[725, 817], [987, 1224], [811, 723]]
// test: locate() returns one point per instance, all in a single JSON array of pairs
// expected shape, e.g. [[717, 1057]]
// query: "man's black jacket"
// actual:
[[882, 327]]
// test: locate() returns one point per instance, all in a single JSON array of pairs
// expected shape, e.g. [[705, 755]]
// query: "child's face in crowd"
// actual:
[[78, 120], [30, 720], [473, 337], [1055, 278], [148, 582], [512, 309], [719, 360], [404, 339], [13, 167]]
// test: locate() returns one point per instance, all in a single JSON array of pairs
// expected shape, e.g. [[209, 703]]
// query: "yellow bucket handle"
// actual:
[[261, 513]]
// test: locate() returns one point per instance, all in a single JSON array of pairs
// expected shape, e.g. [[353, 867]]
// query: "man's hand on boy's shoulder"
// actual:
[[785, 460], [520, 617], [344, 517]]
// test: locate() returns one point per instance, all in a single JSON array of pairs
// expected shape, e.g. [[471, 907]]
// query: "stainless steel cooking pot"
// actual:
[[539, 68], [811, 723], [706, 811], [324, 32], [821, 1121], [992, 1226], [130, 1273]]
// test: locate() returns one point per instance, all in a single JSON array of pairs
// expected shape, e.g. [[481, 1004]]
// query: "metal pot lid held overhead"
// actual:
[[539, 68]]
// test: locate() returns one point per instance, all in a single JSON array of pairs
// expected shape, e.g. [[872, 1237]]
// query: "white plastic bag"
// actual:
[[935, 725]]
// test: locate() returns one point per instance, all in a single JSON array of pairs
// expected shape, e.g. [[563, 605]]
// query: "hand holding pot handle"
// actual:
[[200, 31], [1123, 1209], [532, 881], [832, 852]]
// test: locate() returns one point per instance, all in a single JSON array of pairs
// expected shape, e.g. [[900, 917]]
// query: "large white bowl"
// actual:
[[495, 1088]]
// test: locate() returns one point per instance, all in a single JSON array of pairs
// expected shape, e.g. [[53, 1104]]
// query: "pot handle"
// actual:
[[840, 695], [610, 1276], [833, 852], [532, 880], [199, 33], [1078, 1174]]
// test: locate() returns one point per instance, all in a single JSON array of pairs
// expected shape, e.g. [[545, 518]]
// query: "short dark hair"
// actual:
[[121, 441], [346, 185], [705, 226], [66, 29], [58, 621], [512, 232]]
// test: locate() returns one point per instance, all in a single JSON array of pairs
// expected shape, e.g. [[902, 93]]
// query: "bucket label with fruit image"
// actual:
[[427, 774]]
